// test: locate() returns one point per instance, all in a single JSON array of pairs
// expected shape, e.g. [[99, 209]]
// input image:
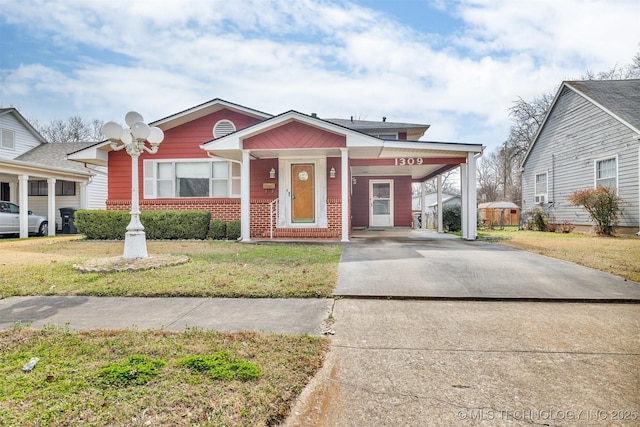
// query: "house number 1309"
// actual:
[[409, 161]]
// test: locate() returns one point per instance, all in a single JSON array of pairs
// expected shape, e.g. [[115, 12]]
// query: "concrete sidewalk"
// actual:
[[477, 363], [279, 315]]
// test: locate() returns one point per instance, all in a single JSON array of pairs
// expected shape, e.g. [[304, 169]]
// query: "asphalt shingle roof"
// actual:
[[55, 155], [621, 97]]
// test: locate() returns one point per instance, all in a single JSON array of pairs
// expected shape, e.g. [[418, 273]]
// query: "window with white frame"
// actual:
[[607, 173], [191, 178], [541, 187]]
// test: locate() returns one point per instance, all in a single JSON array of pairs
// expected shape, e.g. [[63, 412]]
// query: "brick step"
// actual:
[[302, 233]]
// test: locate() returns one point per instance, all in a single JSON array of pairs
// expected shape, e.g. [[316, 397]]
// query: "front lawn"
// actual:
[[616, 255], [97, 378], [44, 266]]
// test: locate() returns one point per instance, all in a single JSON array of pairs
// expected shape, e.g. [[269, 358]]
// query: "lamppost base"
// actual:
[[135, 245]]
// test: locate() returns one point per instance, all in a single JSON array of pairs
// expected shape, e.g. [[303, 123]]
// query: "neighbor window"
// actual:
[[185, 178], [541, 188], [606, 173], [41, 188], [7, 139]]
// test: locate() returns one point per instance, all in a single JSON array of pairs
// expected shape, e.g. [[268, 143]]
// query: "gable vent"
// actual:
[[7, 139], [223, 127]]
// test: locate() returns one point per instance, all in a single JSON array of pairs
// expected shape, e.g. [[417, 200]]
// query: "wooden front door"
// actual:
[[303, 194]]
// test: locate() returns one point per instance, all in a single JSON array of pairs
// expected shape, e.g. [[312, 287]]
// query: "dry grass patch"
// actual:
[[615, 255], [67, 386], [44, 266]]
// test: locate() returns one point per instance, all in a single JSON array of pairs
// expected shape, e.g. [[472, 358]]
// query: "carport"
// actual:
[[18, 173]]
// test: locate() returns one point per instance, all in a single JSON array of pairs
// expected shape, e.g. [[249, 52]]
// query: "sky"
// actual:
[[457, 65]]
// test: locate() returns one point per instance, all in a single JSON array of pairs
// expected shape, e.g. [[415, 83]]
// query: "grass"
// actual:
[[44, 266], [67, 386], [616, 255]]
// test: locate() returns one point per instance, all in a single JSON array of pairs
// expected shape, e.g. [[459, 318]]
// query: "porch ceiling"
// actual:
[[416, 172]]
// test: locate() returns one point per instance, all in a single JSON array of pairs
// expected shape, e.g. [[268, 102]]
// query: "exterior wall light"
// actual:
[[332, 172], [272, 173]]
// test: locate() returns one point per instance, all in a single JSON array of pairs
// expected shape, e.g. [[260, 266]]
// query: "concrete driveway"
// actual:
[[425, 264]]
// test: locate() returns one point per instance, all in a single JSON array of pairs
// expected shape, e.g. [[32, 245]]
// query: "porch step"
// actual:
[[302, 233]]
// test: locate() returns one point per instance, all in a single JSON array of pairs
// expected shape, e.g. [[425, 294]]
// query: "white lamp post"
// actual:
[[133, 139]]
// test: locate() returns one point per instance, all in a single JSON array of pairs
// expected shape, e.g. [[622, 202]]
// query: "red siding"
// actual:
[[260, 175], [294, 135], [402, 215], [334, 185], [181, 142]]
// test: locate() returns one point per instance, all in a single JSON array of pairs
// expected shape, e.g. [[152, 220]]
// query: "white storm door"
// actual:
[[381, 203]]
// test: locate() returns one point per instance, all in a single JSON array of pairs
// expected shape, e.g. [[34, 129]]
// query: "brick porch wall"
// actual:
[[228, 210]]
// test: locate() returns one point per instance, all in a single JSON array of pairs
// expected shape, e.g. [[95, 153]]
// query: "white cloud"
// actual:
[[334, 58]]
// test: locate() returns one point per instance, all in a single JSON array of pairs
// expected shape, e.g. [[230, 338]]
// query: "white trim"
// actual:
[[245, 197], [223, 127], [391, 202], [345, 192], [285, 184]]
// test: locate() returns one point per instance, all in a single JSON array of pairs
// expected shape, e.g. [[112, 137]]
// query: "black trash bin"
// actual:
[[68, 216]]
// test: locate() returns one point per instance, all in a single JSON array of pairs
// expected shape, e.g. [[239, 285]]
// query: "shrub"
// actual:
[[137, 370], [452, 217], [112, 225], [218, 229], [567, 227], [537, 219], [233, 230], [222, 366], [603, 206], [176, 224], [102, 225]]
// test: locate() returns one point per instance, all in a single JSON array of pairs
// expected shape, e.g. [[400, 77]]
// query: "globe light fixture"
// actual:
[[134, 139]]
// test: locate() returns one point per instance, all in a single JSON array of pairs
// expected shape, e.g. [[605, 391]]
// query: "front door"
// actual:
[[381, 203], [303, 194]]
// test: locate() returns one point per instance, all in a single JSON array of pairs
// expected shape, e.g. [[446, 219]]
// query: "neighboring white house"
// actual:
[[589, 138], [430, 203], [37, 175]]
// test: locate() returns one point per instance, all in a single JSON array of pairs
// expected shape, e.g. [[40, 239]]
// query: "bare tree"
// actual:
[[74, 129]]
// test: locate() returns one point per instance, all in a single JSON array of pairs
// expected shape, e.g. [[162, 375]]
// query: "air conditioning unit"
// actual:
[[540, 199]]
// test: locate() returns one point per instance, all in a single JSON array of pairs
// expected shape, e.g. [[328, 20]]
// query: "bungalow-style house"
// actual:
[[37, 176], [290, 175], [590, 137]]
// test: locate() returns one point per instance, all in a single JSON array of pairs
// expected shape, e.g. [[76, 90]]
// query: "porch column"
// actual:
[[23, 201], [51, 206], [423, 204], [439, 201], [344, 167], [84, 197], [245, 197], [469, 208], [464, 187]]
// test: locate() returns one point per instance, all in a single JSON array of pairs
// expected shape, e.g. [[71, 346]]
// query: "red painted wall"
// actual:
[[260, 175], [334, 185], [402, 215], [294, 135], [181, 142]]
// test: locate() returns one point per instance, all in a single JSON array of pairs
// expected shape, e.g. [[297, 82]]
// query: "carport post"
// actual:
[[423, 205], [23, 198], [245, 197], [51, 206], [439, 201], [344, 175]]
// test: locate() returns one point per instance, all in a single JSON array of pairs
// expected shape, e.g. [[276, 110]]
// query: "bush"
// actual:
[[102, 225], [222, 366], [603, 206], [567, 226], [452, 217], [112, 225], [538, 219], [218, 229], [137, 370], [233, 230]]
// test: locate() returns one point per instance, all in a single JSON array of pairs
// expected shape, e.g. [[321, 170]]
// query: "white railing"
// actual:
[[273, 216]]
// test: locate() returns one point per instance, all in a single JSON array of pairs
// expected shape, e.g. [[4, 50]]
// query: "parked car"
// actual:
[[10, 220]]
